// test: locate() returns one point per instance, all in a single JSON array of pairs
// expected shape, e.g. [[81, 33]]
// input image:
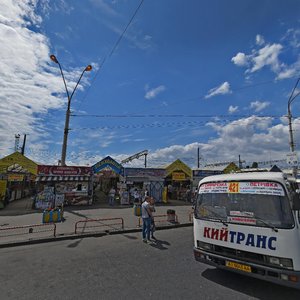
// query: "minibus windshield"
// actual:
[[263, 206]]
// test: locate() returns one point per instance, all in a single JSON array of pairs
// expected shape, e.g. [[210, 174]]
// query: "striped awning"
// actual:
[[62, 178]]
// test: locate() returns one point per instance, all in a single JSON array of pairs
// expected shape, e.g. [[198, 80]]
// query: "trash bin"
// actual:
[[171, 216], [137, 210]]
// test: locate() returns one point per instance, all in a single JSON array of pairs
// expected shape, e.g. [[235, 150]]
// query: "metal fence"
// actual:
[[94, 225]]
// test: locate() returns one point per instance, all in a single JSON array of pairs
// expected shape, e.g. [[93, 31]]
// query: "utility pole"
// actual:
[[68, 112], [24, 143], [240, 162], [291, 140]]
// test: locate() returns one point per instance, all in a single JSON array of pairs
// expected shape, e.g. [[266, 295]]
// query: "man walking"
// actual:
[[146, 216]]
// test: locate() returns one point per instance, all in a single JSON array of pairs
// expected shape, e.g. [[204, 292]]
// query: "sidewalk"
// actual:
[[20, 213]]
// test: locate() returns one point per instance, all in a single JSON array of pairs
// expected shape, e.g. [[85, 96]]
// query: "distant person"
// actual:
[[111, 196], [136, 196], [152, 225], [188, 195], [146, 217]]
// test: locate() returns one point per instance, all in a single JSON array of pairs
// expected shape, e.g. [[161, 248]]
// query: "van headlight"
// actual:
[[204, 246], [286, 263]]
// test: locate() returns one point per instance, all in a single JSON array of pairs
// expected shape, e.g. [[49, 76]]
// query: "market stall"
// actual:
[[57, 185], [178, 181], [140, 180], [19, 172]]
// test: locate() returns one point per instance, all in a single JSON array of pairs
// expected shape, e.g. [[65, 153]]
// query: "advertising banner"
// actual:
[[64, 171], [251, 187], [110, 163], [15, 177], [178, 176]]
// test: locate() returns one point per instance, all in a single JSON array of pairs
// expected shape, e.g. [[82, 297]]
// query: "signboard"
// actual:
[[2, 189], [292, 159], [178, 165], [144, 172], [205, 173], [251, 187], [63, 171], [15, 177], [178, 176], [110, 163], [18, 158]]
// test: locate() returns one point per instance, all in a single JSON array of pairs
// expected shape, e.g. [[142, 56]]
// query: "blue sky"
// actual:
[[213, 75]]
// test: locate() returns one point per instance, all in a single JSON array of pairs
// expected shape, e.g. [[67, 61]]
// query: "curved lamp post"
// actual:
[[68, 112], [291, 99]]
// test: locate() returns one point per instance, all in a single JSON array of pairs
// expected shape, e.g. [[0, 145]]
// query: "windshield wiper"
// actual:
[[267, 224], [220, 218]]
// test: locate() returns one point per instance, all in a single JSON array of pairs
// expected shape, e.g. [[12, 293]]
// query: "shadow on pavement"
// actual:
[[75, 244], [252, 287], [130, 237], [159, 244]]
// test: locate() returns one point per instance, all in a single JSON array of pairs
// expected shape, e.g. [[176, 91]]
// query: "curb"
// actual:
[[86, 235]]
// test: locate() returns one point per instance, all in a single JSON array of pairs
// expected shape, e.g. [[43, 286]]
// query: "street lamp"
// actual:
[[292, 144], [68, 112]]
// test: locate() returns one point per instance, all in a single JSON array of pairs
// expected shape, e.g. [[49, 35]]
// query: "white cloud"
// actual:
[[267, 56], [240, 59], [254, 138], [289, 71], [232, 109], [30, 84], [153, 93], [260, 40], [258, 105], [223, 89], [104, 7]]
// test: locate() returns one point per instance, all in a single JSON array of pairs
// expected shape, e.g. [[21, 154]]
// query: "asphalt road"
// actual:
[[123, 267]]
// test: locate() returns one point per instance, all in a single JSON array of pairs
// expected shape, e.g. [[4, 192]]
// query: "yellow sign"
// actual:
[[178, 176], [234, 187], [2, 189], [178, 165], [19, 159], [15, 177]]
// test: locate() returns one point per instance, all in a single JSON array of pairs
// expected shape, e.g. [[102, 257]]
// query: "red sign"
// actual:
[[64, 171]]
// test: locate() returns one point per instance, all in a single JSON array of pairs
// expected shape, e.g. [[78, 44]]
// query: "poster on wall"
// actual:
[[45, 199]]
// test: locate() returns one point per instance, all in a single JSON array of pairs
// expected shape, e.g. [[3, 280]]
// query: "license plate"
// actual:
[[233, 265]]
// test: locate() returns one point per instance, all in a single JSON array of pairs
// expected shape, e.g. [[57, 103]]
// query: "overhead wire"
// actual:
[[112, 50]]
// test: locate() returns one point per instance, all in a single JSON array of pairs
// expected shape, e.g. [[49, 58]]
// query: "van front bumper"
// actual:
[[279, 276]]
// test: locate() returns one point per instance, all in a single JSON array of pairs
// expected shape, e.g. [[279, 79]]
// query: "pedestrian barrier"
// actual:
[[161, 219], [96, 223], [28, 230]]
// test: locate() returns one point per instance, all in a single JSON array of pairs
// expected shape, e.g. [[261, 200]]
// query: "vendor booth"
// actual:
[[57, 185], [140, 180], [19, 173], [108, 173], [178, 181]]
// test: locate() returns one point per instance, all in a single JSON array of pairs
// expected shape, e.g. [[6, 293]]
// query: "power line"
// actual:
[[113, 48], [170, 116], [165, 125]]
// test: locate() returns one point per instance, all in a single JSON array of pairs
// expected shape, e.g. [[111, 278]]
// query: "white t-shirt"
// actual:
[[145, 209], [112, 192]]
